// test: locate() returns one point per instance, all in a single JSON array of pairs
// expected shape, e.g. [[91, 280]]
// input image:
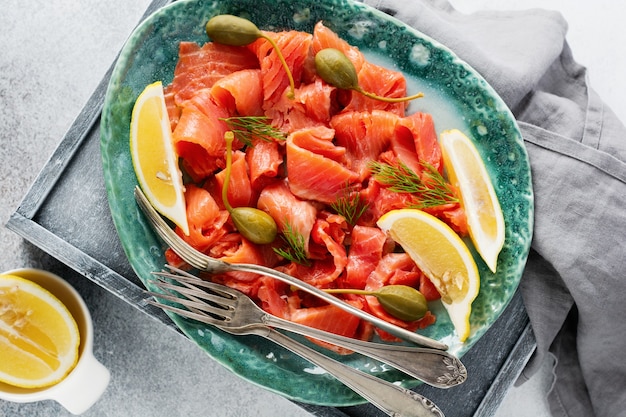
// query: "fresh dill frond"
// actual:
[[431, 191], [438, 190], [248, 128], [295, 250], [349, 205]]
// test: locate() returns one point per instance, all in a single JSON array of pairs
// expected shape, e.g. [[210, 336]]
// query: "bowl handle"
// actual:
[[83, 386]]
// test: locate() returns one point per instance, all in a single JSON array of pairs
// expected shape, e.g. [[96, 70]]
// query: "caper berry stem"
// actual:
[[228, 138], [334, 67], [237, 31], [388, 99], [292, 84], [401, 301], [255, 225], [349, 291]]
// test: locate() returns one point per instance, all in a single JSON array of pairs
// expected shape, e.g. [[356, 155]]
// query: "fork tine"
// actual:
[[185, 277], [196, 306], [189, 291], [202, 317]]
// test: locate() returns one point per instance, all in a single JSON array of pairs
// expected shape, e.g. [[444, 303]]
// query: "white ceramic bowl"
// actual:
[[84, 385]]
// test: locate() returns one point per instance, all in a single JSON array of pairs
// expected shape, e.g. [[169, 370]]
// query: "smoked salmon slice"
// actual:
[[365, 136], [324, 233], [240, 92], [288, 210], [313, 105], [329, 318], [271, 294], [173, 110], [264, 161], [199, 135], [294, 46], [317, 99], [381, 200], [315, 177], [200, 67], [239, 188], [365, 253], [319, 140], [427, 149], [394, 268], [206, 220]]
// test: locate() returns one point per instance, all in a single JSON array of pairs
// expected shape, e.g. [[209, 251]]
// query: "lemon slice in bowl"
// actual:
[[39, 338], [442, 256], [154, 159], [467, 172]]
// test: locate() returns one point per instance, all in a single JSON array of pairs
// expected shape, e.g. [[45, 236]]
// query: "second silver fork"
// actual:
[[221, 307], [432, 366]]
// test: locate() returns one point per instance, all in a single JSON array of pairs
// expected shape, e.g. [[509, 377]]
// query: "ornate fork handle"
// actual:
[[225, 307], [238, 315], [435, 367], [394, 400]]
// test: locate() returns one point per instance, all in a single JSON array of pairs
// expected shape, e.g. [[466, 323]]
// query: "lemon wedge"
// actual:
[[154, 159], [39, 338], [442, 256], [467, 172]]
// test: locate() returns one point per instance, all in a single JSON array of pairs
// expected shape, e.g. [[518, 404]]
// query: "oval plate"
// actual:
[[455, 95]]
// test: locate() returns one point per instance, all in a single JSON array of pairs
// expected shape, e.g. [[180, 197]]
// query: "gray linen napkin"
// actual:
[[574, 285]]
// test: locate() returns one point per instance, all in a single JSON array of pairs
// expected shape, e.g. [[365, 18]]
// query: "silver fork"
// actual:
[[432, 366], [203, 262], [235, 313]]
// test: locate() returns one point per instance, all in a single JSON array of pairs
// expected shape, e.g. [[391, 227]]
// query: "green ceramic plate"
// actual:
[[456, 96]]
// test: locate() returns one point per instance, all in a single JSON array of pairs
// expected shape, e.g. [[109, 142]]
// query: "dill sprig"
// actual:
[[349, 205], [296, 246], [247, 128], [431, 191]]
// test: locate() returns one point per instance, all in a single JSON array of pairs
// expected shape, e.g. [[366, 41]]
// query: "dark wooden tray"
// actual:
[[66, 214]]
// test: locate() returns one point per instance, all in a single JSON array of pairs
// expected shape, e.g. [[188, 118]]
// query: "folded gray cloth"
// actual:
[[574, 285]]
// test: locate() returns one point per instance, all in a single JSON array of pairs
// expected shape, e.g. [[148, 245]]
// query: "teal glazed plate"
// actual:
[[455, 95]]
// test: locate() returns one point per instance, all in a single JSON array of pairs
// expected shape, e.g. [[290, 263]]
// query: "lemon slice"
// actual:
[[153, 156], [442, 256], [39, 338], [467, 172]]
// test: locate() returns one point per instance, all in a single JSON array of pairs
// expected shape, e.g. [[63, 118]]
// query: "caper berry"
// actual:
[[255, 225], [237, 31], [232, 30], [401, 301], [334, 67]]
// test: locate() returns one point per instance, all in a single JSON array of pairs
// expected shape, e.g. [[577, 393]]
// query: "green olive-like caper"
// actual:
[[232, 30], [237, 31], [401, 301], [334, 67], [255, 225]]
